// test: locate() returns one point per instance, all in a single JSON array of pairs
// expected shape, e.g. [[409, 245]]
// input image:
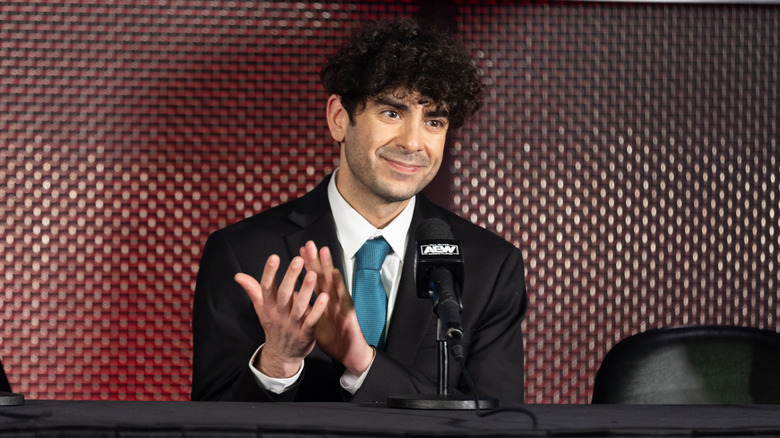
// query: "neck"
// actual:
[[377, 211], [380, 214]]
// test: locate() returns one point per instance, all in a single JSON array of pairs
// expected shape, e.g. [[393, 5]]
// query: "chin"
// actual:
[[398, 196], [400, 189]]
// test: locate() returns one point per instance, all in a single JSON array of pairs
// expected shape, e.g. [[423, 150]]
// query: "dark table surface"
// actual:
[[43, 418]]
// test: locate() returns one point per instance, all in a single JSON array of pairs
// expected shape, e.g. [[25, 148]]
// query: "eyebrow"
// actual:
[[395, 103], [436, 111]]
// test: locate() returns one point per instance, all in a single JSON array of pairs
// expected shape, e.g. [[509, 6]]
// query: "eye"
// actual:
[[392, 114], [436, 123]]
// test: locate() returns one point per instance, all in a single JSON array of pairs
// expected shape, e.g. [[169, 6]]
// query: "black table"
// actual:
[[45, 418]]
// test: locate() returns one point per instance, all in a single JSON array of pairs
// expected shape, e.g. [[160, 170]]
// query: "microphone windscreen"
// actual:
[[433, 229], [435, 247]]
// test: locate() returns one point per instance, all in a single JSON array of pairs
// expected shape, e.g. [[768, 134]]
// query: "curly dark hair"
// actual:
[[397, 56]]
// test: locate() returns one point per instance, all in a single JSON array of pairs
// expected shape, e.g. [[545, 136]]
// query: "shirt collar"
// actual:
[[353, 230]]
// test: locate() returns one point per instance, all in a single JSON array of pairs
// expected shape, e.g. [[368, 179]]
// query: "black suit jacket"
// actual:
[[226, 330]]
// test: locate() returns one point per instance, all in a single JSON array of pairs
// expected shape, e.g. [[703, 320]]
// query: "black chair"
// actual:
[[692, 365], [4, 385], [8, 398]]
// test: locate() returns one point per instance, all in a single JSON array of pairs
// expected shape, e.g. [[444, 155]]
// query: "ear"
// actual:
[[338, 118]]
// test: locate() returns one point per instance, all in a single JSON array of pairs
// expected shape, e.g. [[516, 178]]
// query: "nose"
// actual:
[[410, 136]]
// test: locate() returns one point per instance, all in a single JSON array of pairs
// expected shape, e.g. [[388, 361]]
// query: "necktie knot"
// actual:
[[372, 254]]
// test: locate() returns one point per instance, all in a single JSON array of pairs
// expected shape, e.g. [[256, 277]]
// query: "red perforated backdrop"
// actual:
[[630, 150]]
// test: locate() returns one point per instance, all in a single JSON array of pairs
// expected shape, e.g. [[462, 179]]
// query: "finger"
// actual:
[[302, 299], [309, 254], [341, 293], [316, 312], [316, 263], [326, 266], [287, 286], [268, 280], [338, 295], [326, 260], [312, 263], [251, 287]]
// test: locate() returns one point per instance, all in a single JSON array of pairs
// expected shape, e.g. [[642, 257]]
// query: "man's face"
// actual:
[[392, 150]]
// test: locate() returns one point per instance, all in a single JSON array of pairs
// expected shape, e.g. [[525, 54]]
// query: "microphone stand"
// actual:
[[444, 363], [443, 400]]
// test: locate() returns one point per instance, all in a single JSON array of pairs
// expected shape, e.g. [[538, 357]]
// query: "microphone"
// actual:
[[439, 275], [438, 271]]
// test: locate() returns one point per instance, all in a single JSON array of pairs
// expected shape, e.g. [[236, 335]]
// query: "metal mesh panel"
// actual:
[[631, 152]]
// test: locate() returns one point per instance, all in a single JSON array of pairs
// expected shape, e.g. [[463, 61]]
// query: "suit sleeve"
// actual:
[[226, 331], [493, 340]]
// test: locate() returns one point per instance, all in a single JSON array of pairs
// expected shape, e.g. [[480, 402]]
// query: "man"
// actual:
[[273, 316]]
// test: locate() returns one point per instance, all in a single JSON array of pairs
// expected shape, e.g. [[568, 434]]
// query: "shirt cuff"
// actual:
[[351, 382], [272, 384]]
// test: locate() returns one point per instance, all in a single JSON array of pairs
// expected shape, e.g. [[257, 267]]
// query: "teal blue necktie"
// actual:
[[368, 294]]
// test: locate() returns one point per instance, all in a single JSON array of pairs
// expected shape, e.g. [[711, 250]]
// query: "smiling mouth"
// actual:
[[406, 163], [403, 166]]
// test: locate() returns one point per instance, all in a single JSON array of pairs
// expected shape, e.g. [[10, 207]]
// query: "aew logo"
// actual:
[[439, 249]]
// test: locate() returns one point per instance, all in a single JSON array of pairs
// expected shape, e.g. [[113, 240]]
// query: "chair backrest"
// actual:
[[4, 385], [692, 365]]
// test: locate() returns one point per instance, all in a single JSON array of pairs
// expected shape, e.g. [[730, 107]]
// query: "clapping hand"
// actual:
[[338, 333], [288, 319]]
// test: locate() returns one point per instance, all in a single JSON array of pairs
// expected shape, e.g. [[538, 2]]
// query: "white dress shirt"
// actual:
[[352, 231]]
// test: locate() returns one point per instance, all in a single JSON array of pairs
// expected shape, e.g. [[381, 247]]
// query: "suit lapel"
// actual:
[[314, 217]]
